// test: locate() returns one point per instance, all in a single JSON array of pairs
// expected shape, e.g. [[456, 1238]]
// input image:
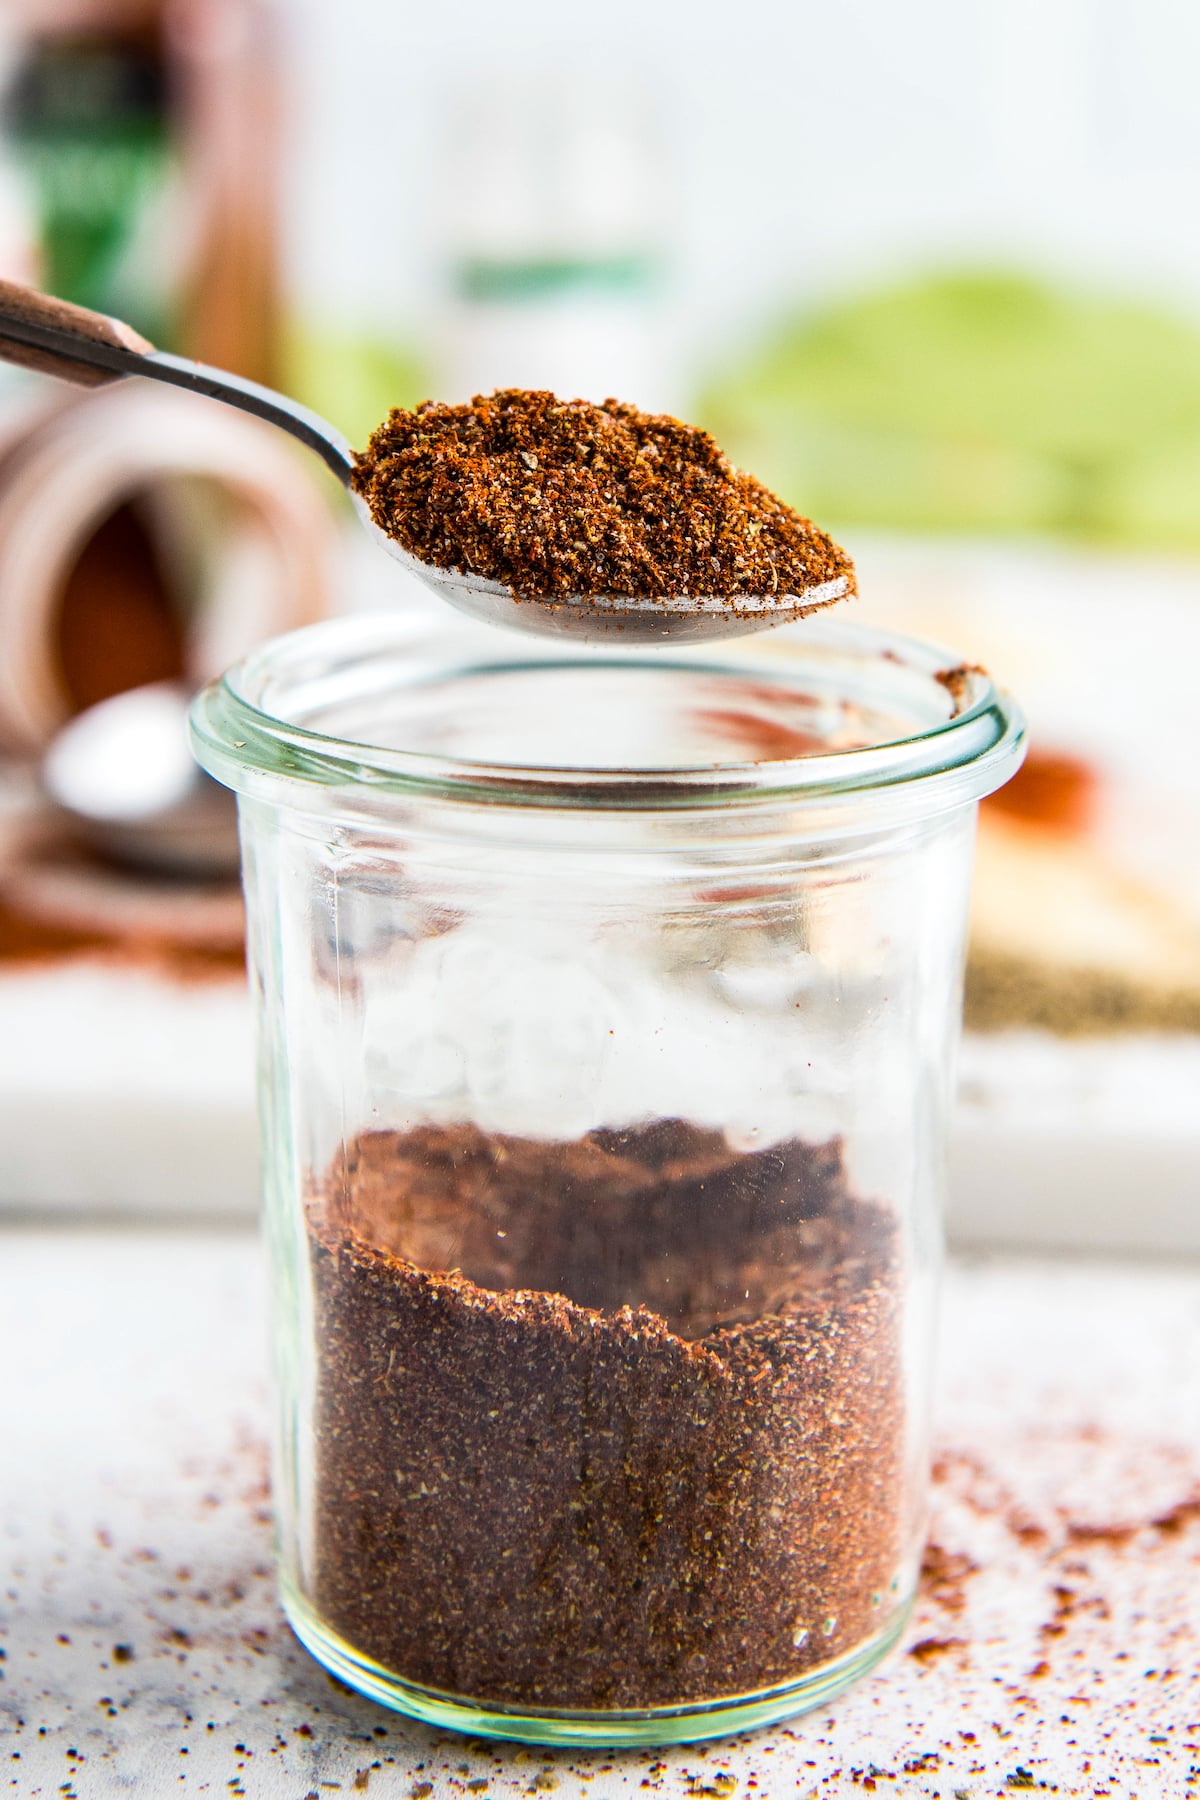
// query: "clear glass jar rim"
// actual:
[[958, 759]]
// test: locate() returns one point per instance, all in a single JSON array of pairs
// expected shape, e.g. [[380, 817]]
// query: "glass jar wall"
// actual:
[[607, 1007]]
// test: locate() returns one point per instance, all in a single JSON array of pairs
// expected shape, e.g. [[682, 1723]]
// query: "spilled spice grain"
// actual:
[[944, 1574], [926, 1649], [610, 1424], [558, 497], [957, 682]]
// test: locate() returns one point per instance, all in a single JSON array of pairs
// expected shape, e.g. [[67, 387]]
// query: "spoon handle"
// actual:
[[40, 332], [72, 328]]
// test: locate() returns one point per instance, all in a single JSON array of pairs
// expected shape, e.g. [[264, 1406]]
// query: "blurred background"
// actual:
[[930, 272]]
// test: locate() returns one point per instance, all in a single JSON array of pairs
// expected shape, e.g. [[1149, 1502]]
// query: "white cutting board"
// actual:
[[129, 1092]]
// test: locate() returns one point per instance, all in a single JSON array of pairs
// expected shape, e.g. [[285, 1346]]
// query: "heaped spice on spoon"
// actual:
[[554, 498]]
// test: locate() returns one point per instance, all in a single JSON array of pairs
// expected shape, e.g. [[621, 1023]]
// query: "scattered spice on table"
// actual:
[[615, 1423], [559, 497]]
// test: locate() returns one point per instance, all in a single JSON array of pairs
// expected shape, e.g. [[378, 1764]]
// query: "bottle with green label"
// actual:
[[144, 136], [553, 243]]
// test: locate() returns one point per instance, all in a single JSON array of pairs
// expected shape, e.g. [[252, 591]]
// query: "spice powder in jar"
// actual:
[[638, 1446]]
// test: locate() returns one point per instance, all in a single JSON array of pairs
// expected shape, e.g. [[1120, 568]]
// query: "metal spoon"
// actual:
[[40, 332], [123, 773]]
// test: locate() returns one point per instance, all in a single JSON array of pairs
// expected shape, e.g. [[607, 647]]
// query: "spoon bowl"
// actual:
[[601, 618], [122, 772], [41, 332]]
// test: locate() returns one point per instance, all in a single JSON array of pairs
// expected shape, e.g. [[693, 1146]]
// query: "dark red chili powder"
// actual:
[[558, 497]]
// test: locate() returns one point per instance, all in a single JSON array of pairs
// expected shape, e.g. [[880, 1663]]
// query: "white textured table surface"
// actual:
[[1056, 1645]]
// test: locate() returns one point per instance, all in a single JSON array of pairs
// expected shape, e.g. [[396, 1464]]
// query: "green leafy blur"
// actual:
[[976, 402]]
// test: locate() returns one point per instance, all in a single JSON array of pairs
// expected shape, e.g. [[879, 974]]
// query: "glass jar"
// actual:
[[606, 1007]]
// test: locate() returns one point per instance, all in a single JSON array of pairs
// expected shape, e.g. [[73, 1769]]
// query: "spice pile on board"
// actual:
[[554, 498], [614, 1423]]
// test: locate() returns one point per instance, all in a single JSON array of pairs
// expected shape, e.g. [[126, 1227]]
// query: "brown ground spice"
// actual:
[[28, 939], [610, 1424], [1052, 789], [558, 497]]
